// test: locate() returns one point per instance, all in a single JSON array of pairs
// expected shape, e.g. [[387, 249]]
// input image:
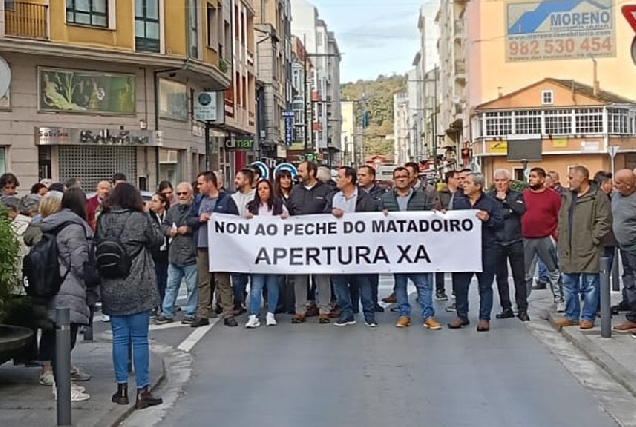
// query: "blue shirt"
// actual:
[[207, 206], [403, 201], [348, 205]]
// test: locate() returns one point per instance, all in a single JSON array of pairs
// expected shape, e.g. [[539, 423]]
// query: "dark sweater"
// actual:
[[542, 214]]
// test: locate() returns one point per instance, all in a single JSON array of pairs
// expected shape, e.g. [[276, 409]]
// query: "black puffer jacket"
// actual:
[[306, 202]]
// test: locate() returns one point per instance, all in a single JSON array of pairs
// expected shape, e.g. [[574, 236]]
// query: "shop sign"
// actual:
[[81, 91], [240, 143], [289, 127], [66, 136]]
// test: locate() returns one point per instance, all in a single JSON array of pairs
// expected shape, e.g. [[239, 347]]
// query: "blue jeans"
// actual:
[[461, 283], [125, 329], [177, 273], [341, 284], [239, 287], [424, 284], [161, 273], [587, 284], [259, 281], [542, 272]]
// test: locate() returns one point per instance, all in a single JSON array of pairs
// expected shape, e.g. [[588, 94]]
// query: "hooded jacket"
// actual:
[[73, 246], [242, 201], [139, 235]]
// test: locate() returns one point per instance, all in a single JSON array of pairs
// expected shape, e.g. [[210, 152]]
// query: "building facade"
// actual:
[[235, 137], [401, 149], [107, 89], [350, 134], [555, 124], [301, 83], [322, 48], [273, 56]]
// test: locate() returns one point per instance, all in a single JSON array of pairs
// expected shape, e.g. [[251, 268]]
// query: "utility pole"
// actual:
[[307, 95], [435, 159]]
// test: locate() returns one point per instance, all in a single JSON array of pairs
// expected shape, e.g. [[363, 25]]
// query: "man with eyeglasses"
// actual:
[[9, 184]]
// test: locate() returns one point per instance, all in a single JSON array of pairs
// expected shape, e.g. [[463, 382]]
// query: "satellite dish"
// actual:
[[5, 77], [286, 167]]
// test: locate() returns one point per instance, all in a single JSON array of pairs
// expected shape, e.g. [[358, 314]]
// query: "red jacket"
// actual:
[[91, 210], [542, 214]]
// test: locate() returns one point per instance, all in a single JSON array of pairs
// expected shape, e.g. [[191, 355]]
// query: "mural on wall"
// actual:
[[86, 91], [559, 29]]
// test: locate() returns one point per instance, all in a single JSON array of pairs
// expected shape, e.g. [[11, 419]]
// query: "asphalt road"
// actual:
[[321, 375]]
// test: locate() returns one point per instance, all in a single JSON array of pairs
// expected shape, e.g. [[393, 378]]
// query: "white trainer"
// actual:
[[561, 307], [271, 319], [253, 322]]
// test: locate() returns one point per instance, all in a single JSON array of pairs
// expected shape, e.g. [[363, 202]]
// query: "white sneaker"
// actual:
[[105, 318], [78, 393], [560, 307], [47, 378], [271, 319], [253, 322]]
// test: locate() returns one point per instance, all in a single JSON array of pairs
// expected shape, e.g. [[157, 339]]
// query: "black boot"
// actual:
[[121, 396], [523, 316], [507, 313], [145, 399]]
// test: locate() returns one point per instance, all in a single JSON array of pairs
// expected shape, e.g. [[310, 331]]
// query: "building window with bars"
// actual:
[[87, 12], [528, 122], [618, 121], [558, 122], [588, 121]]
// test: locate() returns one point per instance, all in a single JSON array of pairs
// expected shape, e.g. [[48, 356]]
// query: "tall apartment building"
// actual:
[[322, 48], [401, 149], [301, 89], [239, 127], [452, 47], [273, 57], [351, 134], [111, 87]]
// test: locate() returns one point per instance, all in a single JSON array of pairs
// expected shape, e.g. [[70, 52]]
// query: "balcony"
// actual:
[[28, 20], [460, 71]]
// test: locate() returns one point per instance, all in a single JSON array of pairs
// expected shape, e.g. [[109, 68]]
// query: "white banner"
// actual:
[[402, 242]]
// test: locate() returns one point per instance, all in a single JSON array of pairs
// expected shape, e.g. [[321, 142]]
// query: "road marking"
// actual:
[[196, 336], [155, 327]]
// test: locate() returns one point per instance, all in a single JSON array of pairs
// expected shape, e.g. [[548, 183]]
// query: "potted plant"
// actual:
[[9, 268], [223, 65]]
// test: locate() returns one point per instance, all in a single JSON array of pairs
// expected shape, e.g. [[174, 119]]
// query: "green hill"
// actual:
[[379, 101]]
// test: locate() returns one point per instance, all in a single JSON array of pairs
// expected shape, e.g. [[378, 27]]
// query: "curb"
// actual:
[[614, 369]]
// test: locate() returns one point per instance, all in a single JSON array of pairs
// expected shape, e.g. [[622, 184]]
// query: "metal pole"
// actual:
[[616, 279], [606, 314], [435, 159], [307, 94], [63, 365], [208, 148]]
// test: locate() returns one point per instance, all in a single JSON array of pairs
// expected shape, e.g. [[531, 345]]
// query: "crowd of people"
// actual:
[[165, 241]]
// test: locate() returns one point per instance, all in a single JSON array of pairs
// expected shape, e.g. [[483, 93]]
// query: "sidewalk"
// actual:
[[23, 401], [615, 355]]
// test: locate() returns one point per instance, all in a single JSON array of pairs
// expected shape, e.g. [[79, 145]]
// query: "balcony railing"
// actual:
[[24, 19]]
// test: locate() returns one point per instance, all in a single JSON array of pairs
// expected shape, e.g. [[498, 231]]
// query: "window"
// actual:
[[194, 29], [9, 5], [498, 123], [547, 97], [147, 26], [588, 120], [87, 12], [528, 122], [618, 119], [213, 28], [558, 122]]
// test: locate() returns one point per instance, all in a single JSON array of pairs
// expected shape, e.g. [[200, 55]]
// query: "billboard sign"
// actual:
[[559, 29]]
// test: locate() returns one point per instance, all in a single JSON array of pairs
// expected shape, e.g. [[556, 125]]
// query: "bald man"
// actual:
[[94, 203], [624, 225]]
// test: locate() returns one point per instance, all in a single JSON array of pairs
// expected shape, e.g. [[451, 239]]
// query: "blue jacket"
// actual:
[[224, 205], [489, 229]]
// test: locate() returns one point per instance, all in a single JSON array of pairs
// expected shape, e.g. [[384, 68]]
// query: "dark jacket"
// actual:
[[277, 206], [159, 256], [490, 228], [224, 205], [580, 241], [139, 235], [364, 202], [181, 250], [73, 247], [609, 240], [375, 193], [418, 201], [512, 209], [305, 202], [442, 199]]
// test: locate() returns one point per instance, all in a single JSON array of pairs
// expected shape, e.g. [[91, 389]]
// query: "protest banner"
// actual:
[[357, 243]]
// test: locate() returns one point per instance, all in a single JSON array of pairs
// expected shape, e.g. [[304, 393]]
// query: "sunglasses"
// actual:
[[182, 193]]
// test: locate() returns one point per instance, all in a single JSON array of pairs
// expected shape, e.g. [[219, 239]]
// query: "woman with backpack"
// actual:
[[125, 236], [72, 238], [264, 203]]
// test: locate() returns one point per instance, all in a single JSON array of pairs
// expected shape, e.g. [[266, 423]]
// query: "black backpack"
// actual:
[[41, 267], [111, 259]]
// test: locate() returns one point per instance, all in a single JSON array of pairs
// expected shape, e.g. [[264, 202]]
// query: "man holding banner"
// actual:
[[402, 198], [492, 221], [351, 199]]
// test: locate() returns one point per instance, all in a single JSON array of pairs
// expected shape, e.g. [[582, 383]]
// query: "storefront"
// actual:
[[93, 155]]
